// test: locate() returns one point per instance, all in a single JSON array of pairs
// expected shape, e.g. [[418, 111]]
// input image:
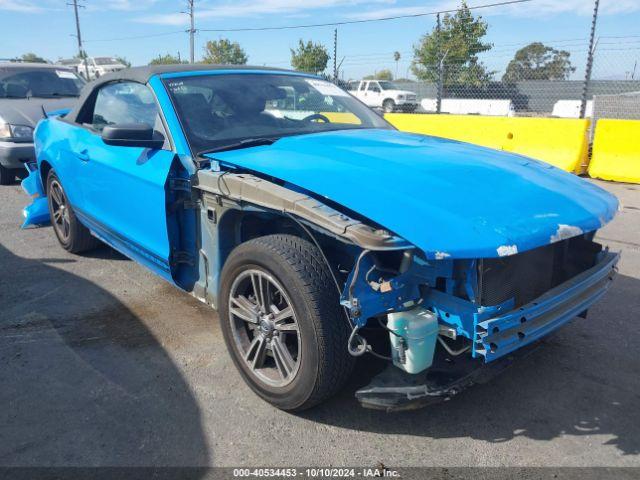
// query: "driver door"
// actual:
[[374, 93], [123, 188]]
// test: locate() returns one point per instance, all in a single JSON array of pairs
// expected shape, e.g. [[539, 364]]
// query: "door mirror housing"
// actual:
[[132, 135]]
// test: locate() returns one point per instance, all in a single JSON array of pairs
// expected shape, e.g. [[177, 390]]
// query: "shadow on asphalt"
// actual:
[[582, 381], [90, 385], [83, 381]]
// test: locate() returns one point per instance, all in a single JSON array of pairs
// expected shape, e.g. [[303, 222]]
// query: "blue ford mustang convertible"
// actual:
[[319, 232]]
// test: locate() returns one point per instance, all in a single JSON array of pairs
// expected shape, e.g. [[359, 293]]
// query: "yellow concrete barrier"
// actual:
[[616, 151], [342, 117], [562, 142]]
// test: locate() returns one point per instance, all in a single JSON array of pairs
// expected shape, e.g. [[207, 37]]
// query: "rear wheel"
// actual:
[[7, 176], [282, 321], [72, 235]]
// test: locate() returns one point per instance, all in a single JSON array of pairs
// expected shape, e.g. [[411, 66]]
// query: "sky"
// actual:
[[46, 27]]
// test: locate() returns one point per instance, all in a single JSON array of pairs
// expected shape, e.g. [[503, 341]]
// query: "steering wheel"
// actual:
[[316, 116]]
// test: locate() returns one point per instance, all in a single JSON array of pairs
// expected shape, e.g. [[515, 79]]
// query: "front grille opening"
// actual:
[[527, 275]]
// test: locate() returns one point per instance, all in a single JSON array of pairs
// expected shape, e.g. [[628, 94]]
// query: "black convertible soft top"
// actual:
[[143, 74]]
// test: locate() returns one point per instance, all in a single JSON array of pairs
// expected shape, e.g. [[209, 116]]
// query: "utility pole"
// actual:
[[192, 31], [81, 52], [587, 75], [335, 55], [440, 65]]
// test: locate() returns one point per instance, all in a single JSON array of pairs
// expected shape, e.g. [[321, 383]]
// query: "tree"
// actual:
[[381, 75], [225, 52], [124, 61], [457, 46], [537, 61], [167, 59], [309, 57], [396, 58], [32, 58]]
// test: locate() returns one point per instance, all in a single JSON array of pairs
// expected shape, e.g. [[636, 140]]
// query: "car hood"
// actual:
[[28, 111], [448, 198]]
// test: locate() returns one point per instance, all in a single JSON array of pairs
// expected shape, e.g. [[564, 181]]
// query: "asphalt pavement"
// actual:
[[102, 363]]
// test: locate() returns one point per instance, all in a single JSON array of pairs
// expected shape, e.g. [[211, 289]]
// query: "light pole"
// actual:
[[81, 53], [587, 75]]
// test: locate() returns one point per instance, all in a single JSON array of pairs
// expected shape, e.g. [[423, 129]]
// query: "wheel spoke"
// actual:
[[283, 359], [242, 308], [262, 291], [57, 215], [257, 352], [66, 227], [57, 194], [284, 320]]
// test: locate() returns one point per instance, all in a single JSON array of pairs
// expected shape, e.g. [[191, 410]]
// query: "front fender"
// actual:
[[36, 214]]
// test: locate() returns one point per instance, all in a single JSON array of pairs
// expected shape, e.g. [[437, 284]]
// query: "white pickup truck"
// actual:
[[384, 94], [98, 66]]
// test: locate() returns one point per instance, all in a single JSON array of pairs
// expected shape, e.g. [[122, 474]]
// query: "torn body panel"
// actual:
[[37, 213], [253, 190]]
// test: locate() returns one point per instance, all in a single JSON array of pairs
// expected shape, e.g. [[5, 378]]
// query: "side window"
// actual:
[[374, 87], [363, 86], [120, 103]]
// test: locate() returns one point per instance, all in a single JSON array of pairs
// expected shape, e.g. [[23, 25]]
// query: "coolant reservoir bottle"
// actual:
[[412, 350]]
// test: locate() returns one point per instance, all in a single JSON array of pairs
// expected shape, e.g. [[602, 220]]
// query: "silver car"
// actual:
[[27, 92]]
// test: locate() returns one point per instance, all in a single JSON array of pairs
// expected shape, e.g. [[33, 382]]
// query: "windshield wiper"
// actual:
[[56, 95], [246, 143]]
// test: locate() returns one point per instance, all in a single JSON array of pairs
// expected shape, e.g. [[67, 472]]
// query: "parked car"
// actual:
[[301, 232], [384, 94], [74, 64], [99, 66], [27, 92]]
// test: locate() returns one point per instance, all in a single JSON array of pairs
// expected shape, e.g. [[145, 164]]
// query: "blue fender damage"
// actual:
[[36, 214]]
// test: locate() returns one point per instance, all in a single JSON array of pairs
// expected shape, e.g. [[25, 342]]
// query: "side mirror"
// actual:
[[132, 135]]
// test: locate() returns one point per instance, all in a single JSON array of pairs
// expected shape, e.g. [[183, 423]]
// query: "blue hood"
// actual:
[[448, 198]]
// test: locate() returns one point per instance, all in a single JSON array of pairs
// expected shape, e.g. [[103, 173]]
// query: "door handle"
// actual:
[[83, 156]]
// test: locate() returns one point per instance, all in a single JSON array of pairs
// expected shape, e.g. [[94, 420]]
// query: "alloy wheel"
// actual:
[[265, 328], [60, 210]]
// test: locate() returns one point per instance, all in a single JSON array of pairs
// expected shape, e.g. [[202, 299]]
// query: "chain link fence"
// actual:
[[529, 97]]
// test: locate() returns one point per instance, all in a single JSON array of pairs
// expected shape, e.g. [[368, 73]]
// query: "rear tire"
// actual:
[[7, 176], [72, 235], [292, 275]]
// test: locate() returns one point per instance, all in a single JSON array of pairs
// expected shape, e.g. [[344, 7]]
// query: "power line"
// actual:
[[368, 20], [289, 27]]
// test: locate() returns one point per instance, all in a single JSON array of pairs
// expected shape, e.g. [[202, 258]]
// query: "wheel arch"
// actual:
[[237, 226], [45, 168]]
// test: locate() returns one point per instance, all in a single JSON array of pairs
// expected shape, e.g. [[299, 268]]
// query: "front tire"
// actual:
[[72, 235], [388, 106], [282, 321]]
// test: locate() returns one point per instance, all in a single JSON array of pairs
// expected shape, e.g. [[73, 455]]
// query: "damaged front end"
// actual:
[[446, 321], [453, 323]]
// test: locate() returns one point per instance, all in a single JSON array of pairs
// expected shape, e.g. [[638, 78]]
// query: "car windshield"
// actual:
[[387, 85], [105, 61], [41, 83], [225, 110]]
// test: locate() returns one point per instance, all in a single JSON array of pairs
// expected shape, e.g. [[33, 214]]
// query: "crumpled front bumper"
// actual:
[[506, 333], [38, 212], [500, 340]]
